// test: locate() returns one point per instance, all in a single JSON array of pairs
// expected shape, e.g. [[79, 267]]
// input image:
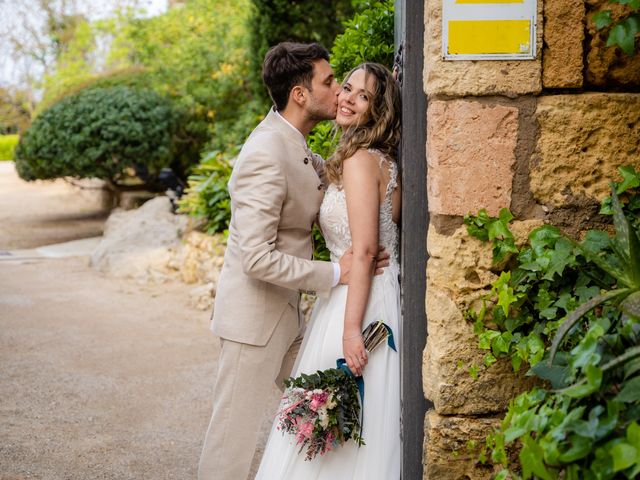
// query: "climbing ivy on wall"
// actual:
[[569, 312]]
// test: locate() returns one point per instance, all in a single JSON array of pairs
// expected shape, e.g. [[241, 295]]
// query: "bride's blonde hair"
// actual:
[[382, 129]]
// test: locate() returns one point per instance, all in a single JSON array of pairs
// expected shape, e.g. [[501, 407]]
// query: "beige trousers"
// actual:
[[243, 387]]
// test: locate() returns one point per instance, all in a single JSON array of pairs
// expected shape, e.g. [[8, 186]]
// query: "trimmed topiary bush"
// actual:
[[7, 146], [106, 133]]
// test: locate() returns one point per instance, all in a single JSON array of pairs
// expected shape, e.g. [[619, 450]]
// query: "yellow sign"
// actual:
[[479, 30]]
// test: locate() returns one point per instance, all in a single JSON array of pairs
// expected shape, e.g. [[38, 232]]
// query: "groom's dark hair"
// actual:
[[289, 64]]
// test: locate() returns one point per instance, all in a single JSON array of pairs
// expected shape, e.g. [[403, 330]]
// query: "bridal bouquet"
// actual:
[[322, 409]]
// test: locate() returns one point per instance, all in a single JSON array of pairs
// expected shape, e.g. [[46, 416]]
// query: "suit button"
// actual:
[[306, 160], [320, 187]]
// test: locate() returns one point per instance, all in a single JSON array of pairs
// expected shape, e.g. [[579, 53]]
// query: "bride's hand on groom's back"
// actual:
[[382, 261]]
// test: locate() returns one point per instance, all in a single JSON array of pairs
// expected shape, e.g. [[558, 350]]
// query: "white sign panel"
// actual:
[[489, 30]]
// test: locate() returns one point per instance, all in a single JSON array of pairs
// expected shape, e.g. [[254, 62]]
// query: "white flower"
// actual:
[[323, 417]]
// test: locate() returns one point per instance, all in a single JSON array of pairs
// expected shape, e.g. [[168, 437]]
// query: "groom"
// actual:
[[276, 191]]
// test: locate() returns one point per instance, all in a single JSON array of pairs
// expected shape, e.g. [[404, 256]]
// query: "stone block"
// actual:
[[608, 66], [459, 272], [471, 152], [451, 447], [562, 57], [583, 139], [485, 77]]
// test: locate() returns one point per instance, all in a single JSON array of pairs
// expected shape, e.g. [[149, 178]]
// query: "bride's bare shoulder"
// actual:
[[362, 155]]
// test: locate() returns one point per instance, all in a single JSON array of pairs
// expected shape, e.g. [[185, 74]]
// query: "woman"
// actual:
[[361, 208]]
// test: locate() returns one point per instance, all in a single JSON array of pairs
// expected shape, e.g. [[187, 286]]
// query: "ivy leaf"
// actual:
[[635, 4], [624, 455], [554, 374], [587, 385], [531, 459], [596, 240], [505, 216], [602, 19], [624, 33], [630, 179], [501, 343], [543, 237], [503, 248], [561, 257], [580, 448], [630, 392]]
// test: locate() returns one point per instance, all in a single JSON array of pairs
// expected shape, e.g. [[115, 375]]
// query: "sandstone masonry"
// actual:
[[542, 137]]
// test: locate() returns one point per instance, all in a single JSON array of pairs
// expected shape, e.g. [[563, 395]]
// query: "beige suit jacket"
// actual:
[[275, 198]]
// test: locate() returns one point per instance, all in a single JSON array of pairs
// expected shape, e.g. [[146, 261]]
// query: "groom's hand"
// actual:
[[382, 261]]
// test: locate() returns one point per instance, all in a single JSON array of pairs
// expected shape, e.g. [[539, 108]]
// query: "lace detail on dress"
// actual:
[[335, 222]]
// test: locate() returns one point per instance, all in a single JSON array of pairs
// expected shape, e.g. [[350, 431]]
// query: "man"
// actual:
[[276, 193]]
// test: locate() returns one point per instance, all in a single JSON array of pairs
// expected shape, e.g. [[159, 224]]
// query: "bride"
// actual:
[[361, 209]]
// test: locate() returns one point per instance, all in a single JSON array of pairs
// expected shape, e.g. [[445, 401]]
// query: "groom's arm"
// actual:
[[258, 190]]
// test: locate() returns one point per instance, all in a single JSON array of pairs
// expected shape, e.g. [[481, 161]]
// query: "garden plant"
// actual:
[[109, 133], [568, 312]]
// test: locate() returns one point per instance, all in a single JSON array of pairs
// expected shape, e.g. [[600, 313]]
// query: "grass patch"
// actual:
[[7, 146]]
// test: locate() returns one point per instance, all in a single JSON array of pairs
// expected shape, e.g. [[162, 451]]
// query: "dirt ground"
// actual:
[[100, 378]]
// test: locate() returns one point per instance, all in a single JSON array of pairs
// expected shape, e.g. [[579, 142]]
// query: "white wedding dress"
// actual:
[[379, 459]]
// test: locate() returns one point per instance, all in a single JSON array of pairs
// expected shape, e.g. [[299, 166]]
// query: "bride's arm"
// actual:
[[361, 184]]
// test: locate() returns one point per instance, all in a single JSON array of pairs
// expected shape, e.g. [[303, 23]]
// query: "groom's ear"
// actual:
[[298, 95]]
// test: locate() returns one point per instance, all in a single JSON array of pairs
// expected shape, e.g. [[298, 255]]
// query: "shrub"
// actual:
[[197, 55], [7, 146], [104, 133], [207, 197], [367, 37]]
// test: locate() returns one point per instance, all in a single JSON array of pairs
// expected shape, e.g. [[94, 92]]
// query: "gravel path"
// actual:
[[99, 378]]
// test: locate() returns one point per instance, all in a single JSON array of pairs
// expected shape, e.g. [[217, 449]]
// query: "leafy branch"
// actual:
[[622, 32]]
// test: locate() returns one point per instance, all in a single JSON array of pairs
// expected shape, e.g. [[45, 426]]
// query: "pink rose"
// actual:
[[318, 400]]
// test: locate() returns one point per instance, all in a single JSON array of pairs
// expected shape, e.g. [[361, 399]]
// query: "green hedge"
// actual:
[[104, 133], [7, 146]]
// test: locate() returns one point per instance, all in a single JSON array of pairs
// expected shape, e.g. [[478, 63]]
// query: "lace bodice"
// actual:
[[335, 222]]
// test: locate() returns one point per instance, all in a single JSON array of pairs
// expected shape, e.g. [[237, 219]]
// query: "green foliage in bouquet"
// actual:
[[322, 409], [102, 133], [8, 145], [571, 311]]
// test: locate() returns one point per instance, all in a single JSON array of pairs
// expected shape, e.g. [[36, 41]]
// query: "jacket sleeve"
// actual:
[[258, 190]]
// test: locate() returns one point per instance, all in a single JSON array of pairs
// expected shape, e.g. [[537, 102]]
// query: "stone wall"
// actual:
[[542, 137]]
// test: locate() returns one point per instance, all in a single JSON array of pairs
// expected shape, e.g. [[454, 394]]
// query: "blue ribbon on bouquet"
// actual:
[[341, 363]]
